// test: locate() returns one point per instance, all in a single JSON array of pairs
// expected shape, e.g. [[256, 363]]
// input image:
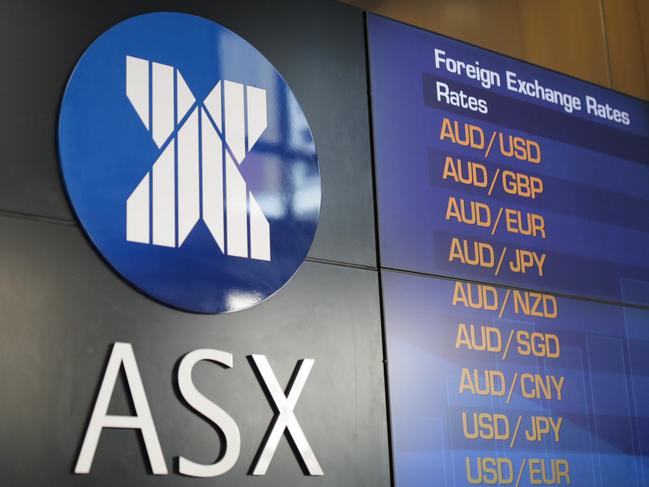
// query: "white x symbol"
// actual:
[[196, 176], [285, 418]]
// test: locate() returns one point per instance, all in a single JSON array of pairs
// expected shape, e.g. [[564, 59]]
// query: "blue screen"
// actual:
[[556, 399], [470, 194], [513, 208]]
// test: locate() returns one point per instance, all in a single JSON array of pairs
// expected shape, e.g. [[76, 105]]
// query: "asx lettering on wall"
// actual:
[[122, 356]]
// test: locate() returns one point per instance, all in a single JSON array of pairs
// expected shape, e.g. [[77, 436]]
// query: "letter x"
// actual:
[[285, 419]]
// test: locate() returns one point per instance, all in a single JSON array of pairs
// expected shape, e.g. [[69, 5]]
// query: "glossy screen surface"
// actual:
[[470, 194], [513, 208]]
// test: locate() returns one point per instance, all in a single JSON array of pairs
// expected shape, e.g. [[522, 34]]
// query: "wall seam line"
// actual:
[[645, 54], [377, 244], [607, 51], [17, 215]]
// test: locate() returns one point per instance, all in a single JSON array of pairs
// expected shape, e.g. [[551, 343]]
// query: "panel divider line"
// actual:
[[607, 51], [18, 215], [31, 217], [518, 288], [340, 263], [386, 372], [34, 218]]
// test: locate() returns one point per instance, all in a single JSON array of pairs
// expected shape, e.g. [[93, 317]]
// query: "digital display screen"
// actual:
[[521, 176], [513, 207], [496, 386]]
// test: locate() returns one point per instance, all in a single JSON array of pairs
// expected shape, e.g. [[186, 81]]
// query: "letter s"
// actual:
[[482, 106], [211, 411]]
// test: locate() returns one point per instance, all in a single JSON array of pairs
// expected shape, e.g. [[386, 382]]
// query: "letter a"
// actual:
[[122, 354]]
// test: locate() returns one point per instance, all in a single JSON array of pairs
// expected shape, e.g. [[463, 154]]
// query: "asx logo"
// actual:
[[196, 173], [189, 163]]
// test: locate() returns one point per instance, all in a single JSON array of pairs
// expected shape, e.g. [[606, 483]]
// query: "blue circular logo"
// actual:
[[189, 163]]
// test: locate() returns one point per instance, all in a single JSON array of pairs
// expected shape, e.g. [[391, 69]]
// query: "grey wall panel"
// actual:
[[318, 46], [61, 308]]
